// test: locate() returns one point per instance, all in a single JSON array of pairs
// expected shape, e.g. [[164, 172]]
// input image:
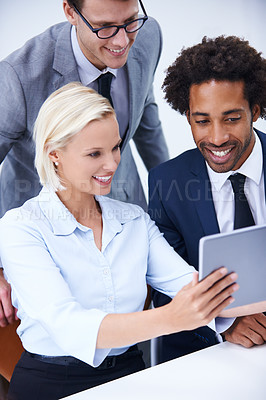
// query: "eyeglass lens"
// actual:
[[112, 30]]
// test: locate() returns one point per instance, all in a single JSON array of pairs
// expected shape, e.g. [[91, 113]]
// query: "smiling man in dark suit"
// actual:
[[220, 85]]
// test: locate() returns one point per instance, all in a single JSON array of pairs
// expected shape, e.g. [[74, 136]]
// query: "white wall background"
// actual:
[[182, 23]]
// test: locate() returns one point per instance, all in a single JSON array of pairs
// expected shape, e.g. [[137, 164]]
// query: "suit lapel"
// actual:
[[262, 138], [64, 60], [134, 72], [201, 194]]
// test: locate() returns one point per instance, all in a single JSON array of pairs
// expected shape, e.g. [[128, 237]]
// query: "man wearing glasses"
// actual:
[[97, 42]]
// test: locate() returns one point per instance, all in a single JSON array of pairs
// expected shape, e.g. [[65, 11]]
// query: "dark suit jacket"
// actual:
[[181, 203]]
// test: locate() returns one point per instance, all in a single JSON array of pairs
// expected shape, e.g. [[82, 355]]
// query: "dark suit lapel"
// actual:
[[201, 194], [64, 60]]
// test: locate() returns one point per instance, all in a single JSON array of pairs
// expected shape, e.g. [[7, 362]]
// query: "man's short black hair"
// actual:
[[76, 3], [223, 58]]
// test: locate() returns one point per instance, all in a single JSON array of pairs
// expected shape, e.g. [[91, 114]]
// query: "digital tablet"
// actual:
[[242, 251]]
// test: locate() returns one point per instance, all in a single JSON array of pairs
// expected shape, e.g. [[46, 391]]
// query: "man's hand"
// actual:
[[7, 311], [247, 331]]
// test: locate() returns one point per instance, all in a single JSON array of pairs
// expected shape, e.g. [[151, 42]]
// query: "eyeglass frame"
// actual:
[[118, 27]]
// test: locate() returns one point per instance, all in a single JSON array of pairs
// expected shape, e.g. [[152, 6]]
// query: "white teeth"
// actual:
[[220, 153], [117, 51], [103, 178]]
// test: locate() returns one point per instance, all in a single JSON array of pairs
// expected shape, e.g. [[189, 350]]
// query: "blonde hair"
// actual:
[[65, 113]]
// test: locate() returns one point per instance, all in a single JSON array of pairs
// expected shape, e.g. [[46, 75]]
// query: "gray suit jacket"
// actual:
[[45, 63]]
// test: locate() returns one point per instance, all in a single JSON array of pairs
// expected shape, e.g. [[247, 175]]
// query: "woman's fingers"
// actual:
[[221, 300], [214, 293], [199, 302], [216, 282], [222, 284], [195, 278], [213, 278], [215, 312]]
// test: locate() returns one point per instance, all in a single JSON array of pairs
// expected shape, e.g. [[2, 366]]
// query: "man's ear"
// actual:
[[188, 116], [70, 13], [255, 112]]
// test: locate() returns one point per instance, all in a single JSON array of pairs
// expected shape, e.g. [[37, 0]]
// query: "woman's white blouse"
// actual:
[[63, 285]]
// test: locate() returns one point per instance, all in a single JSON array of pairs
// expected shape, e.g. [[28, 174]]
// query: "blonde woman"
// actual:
[[78, 262]]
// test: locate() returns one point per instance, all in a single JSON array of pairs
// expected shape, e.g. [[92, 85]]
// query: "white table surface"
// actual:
[[221, 372]]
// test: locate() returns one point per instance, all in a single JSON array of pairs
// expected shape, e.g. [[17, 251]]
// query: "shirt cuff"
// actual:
[[220, 324]]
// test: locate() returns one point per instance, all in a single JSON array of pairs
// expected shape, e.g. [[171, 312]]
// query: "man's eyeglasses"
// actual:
[[107, 32]]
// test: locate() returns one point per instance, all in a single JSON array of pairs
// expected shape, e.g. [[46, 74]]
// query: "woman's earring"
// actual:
[[56, 163]]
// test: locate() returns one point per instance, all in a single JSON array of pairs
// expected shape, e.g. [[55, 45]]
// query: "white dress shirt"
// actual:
[[88, 74], [223, 196], [63, 285]]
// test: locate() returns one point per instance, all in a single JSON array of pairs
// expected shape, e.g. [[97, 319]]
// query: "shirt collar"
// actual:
[[115, 213], [118, 211], [88, 73], [60, 218], [251, 168]]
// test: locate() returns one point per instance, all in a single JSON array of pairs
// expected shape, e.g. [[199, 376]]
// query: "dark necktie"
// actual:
[[243, 215], [104, 86]]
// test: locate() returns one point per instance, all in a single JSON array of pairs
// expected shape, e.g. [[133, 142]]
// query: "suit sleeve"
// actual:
[[159, 214], [149, 139], [12, 109]]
